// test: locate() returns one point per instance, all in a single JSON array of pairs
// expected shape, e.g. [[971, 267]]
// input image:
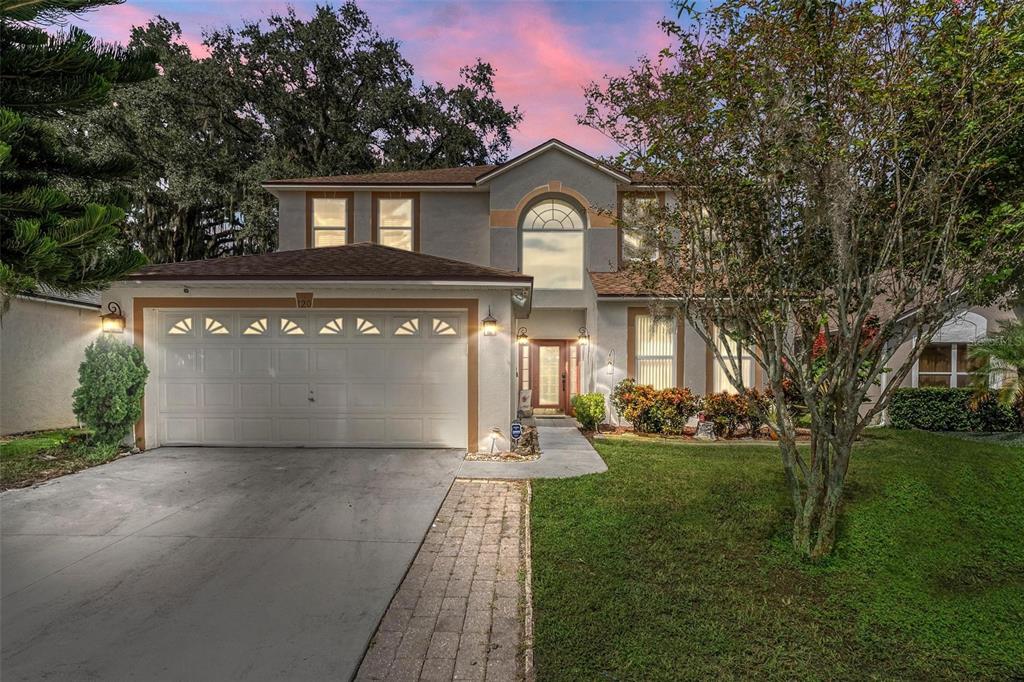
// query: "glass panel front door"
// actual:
[[549, 379]]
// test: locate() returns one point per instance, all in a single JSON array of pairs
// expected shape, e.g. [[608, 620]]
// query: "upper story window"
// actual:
[[634, 209], [329, 220], [553, 244], [396, 222]]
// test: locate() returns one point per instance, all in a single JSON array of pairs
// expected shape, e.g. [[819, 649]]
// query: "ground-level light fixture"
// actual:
[[521, 337], [112, 322], [584, 338], [490, 324]]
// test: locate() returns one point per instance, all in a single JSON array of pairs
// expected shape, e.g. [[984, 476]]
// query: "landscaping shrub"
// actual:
[[589, 408], [651, 411], [726, 411], [730, 412], [634, 403], [677, 406], [111, 380], [950, 409]]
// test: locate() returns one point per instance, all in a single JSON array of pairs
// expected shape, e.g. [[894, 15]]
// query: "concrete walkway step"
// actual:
[[565, 453]]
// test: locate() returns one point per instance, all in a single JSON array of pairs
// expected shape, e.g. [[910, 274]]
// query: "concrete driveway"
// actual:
[[212, 563]]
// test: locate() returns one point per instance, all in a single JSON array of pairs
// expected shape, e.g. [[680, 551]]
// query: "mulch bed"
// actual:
[[802, 435], [500, 457]]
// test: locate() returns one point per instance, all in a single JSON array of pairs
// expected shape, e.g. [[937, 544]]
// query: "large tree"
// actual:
[[48, 238], [282, 97], [844, 181]]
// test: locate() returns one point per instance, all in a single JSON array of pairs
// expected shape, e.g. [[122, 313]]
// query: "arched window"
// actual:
[[553, 244]]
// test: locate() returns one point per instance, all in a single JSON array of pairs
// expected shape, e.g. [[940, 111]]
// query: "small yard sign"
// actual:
[[516, 430]]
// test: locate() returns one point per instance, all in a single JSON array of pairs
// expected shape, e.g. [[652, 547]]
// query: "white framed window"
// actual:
[[732, 351], [633, 212], [395, 223], [553, 244], [655, 354], [329, 217], [946, 365]]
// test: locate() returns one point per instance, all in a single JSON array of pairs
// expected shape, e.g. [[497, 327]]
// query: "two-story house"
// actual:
[[414, 309]]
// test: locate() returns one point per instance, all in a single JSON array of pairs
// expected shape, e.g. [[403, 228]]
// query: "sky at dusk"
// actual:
[[544, 52]]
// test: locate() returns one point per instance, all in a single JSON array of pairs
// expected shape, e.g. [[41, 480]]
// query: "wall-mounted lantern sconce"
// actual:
[[521, 337], [584, 338], [112, 322], [490, 324]]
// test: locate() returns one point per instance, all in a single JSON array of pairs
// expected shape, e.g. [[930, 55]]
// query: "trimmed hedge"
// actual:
[[950, 409]]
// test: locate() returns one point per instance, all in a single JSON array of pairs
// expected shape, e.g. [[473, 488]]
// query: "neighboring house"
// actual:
[[369, 326], [42, 343]]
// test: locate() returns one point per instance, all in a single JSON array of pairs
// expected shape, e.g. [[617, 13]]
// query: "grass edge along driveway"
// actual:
[[676, 564], [26, 459]]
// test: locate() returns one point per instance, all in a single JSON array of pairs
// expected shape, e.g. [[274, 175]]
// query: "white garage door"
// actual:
[[292, 377]]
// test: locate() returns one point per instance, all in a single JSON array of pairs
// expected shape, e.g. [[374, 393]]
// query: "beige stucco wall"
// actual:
[[496, 386], [41, 346]]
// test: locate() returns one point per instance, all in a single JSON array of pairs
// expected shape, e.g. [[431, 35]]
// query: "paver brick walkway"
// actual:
[[459, 613]]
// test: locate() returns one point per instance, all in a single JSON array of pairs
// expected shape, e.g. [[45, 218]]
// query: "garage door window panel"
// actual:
[[331, 326], [178, 325], [366, 326], [254, 326], [444, 326], [217, 326], [406, 326], [292, 327]]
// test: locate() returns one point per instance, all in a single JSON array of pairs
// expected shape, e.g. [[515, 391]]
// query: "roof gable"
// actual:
[[553, 144]]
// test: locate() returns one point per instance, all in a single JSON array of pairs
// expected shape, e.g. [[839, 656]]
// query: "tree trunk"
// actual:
[[814, 524]]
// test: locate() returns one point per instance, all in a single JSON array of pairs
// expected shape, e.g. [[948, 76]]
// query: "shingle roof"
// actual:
[[465, 175], [462, 175], [624, 283], [355, 262]]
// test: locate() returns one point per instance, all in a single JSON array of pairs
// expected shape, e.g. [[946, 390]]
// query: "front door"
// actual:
[[550, 369], [551, 380]]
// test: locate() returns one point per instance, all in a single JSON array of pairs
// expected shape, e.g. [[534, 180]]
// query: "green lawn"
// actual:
[[39, 456], [676, 564]]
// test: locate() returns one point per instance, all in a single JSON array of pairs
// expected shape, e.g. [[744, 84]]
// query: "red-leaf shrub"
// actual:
[[726, 411], [729, 412], [652, 411]]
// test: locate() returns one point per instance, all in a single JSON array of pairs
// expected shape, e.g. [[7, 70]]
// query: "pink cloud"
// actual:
[[114, 23], [544, 54], [542, 64]]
